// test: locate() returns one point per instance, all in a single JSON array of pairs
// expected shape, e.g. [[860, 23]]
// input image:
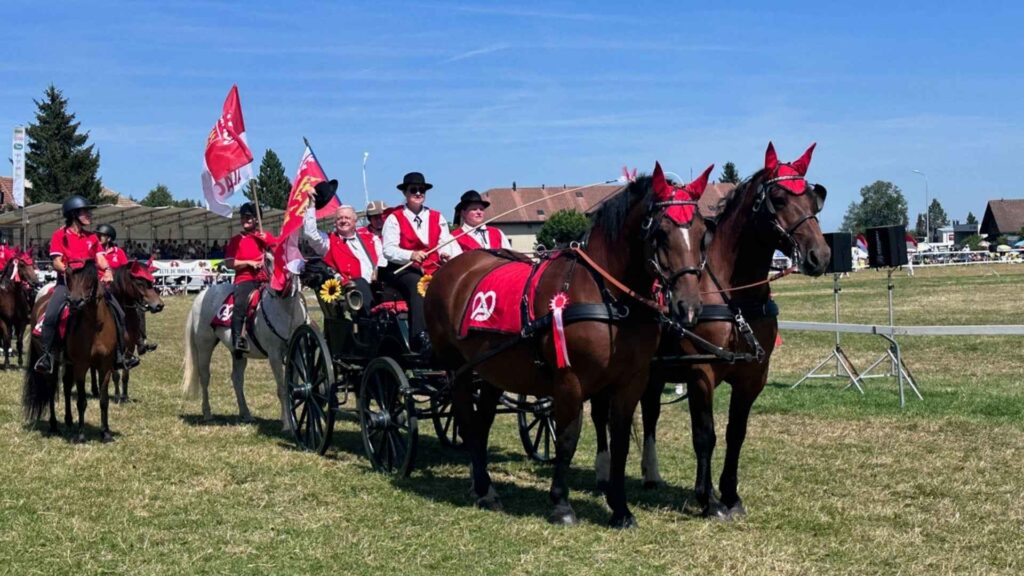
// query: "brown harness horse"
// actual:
[[17, 282], [90, 342], [610, 336], [738, 325]]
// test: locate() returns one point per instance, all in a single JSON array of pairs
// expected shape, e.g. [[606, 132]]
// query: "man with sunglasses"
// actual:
[[410, 235]]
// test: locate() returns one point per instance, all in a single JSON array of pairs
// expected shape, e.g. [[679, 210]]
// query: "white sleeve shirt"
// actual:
[[392, 234], [317, 239]]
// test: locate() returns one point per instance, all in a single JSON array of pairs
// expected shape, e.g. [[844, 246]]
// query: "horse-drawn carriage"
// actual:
[[366, 356]]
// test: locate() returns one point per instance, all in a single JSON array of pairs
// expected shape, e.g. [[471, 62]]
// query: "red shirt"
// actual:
[[115, 257], [74, 248], [249, 246], [6, 253]]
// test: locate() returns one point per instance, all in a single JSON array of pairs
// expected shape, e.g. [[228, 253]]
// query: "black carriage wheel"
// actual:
[[443, 414], [387, 417], [309, 376], [536, 427]]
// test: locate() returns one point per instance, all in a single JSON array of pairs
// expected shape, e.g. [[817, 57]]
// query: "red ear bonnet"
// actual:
[[681, 214], [791, 175], [140, 271], [662, 191]]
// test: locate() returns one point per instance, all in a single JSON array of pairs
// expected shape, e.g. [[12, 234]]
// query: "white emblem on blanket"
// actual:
[[483, 305]]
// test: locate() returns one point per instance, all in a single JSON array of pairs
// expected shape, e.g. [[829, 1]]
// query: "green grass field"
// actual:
[[834, 482]]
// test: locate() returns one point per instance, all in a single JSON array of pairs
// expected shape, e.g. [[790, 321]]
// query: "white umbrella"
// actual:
[[1003, 248]]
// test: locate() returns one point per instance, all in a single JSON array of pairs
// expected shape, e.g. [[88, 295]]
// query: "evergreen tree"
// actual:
[[882, 204], [919, 228], [58, 162], [562, 228], [937, 217], [272, 185], [971, 219], [729, 174]]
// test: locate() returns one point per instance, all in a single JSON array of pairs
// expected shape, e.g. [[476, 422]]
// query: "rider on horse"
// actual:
[[353, 254], [410, 233], [116, 258], [469, 213], [244, 253], [71, 245]]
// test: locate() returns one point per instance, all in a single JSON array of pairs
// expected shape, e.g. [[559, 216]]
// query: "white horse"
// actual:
[[276, 319]]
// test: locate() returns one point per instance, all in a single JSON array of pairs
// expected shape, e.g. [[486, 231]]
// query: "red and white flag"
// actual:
[[287, 257], [228, 160]]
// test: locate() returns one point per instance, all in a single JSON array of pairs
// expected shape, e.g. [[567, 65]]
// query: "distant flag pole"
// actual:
[[366, 191], [227, 160]]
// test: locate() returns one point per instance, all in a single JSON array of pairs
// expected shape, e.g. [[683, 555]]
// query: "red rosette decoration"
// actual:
[[557, 305]]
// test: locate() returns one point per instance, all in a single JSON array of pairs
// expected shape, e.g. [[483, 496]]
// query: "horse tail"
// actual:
[[38, 389], [190, 377]]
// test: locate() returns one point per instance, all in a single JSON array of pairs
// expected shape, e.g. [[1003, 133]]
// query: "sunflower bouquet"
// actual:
[[421, 286], [331, 290]]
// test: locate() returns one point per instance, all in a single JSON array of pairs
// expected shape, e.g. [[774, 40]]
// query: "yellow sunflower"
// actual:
[[331, 290], [421, 286]]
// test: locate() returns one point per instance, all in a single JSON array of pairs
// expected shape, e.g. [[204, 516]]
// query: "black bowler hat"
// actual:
[[414, 179], [468, 197]]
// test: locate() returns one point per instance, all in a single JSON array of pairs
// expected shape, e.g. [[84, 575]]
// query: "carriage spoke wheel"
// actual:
[[312, 393], [387, 417], [444, 421], [536, 427]]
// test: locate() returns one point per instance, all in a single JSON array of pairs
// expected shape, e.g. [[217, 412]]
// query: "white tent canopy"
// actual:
[[37, 222]]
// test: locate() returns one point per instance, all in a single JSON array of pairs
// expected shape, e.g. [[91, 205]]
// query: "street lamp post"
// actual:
[[927, 209]]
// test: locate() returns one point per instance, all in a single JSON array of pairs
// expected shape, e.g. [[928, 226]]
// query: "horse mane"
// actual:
[[728, 202], [612, 214], [8, 271]]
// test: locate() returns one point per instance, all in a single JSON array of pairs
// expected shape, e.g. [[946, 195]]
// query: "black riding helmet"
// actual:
[[249, 209], [107, 230], [72, 206]]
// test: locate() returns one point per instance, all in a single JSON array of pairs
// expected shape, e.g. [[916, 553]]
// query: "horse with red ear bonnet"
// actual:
[[593, 327]]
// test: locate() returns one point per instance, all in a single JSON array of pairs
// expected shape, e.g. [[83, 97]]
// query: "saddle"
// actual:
[[65, 312], [222, 319]]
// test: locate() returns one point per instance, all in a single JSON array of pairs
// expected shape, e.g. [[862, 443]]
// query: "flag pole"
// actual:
[[511, 210], [254, 186]]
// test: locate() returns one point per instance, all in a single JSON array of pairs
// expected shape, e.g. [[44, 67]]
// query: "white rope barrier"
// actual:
[[886, 330]]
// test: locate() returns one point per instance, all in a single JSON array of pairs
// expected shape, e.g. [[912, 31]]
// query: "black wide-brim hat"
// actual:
[[414, 179], [470, 197]]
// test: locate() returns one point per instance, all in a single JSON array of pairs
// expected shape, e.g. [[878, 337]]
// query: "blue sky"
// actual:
[[477, 95]]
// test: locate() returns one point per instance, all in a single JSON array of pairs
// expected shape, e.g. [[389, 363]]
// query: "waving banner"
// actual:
[[286, 255], [227, 160]]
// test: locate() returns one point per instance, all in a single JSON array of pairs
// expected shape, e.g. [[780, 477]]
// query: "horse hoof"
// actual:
[[107, 438], [562, 516], [79, 439], [491, 503], [623, 521], [716, 511], [737, 511], [248, 419]]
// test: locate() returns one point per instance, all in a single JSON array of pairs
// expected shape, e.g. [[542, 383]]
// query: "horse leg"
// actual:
[[623, 405], [238, 381], [567, 405], [125, 376], [736, 431], [475, 427], [202, 366], [82, 403], [277, 368], [105, 435], [702, 419], [650, 408], [94, 389], [21, 345], [53, 405], [68, 383], [599, 407]]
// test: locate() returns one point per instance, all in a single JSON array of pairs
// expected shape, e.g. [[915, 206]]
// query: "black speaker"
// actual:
[[887, 246], [841, 244]]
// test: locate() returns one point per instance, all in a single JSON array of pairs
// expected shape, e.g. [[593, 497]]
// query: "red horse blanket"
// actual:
[[223, 316], [494, 305], [62, 326]]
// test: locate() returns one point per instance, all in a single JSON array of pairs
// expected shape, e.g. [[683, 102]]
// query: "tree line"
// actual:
[[59, 162]]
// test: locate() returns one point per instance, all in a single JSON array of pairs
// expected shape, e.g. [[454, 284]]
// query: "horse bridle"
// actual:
[[764, 205], [666, 281]]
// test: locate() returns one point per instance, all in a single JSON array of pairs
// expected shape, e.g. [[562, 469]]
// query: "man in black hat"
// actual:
[[474, 234], [411, 234]]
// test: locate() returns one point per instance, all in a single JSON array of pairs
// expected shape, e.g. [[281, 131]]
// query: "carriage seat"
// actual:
[[393, 306]]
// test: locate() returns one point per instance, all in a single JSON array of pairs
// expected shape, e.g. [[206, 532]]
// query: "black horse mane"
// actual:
[[728, 202], [614, 211], [8, 271]]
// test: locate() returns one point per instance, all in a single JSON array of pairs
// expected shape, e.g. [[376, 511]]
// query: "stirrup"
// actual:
[[242, 345], [128, 362]]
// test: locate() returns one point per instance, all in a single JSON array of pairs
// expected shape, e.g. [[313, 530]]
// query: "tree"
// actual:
[[161, 196], [58, 161], [562, 228], [919, 228], [729, 174], [971, 219], [157, 197], [937, 217], [972, 242], [881, 204], [272, 185]]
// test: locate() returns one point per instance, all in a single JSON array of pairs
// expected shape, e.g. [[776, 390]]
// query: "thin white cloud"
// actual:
[[518, 12], [477, 52]]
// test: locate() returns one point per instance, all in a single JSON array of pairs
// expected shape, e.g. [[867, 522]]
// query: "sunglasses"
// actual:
[[416, 191]]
